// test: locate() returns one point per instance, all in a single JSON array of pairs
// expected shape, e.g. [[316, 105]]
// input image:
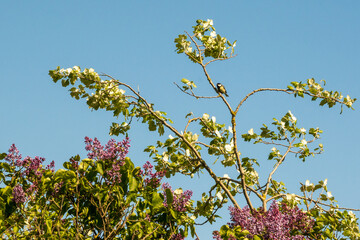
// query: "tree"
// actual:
[[188, 153]]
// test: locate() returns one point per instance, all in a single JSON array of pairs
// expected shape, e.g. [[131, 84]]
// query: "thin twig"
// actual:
[[193, 95]]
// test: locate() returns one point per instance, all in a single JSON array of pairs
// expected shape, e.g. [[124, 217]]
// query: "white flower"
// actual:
[[228, 147], [282, 125], [329, 195], [289, 197], [205, 116], [254, 174], [293, 118], [189, 49], [165, 157], [213, 34], [303, 142], [208, 23], [217, 133], [325, 182], [349, 102], [91, 70], [178, 191], [193, 217], [234, 45], [187, 152], [226, 176], [68, 70], [219, 196], [303, 130], [171, 137], [352, 215], [213, 118], [274, 149], [122, 91], [230, 129], [195, 137], [76, 68], [251, 131], [199, 35], [307, 183]]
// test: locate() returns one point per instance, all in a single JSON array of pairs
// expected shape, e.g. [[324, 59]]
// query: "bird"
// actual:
[[221, 89]]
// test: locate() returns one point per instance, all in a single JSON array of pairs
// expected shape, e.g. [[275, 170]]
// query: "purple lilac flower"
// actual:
[[13, 155], [29, 168], [57, 187], [177, 236], [18, 194], [74, 163], [180, 201], [276, 223], [114, 173], [51, 166], [112, 150], [151, 179]]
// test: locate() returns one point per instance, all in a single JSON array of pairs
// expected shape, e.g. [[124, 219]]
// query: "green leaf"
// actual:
[[157, 200], [100, 167], [169, 196], [2, 156], [184, 80], [133, 183], [152, 125], [83, 165]]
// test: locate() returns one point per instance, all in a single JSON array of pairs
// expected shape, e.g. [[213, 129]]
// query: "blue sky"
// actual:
[[277, 42]]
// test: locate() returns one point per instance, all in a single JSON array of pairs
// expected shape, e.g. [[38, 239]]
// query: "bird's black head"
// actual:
[[218, 84]]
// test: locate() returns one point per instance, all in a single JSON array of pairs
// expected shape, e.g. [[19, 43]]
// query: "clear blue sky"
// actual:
[[277, 42]]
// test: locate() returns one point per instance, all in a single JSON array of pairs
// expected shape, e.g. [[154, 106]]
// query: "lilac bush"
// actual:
[[103, 195]]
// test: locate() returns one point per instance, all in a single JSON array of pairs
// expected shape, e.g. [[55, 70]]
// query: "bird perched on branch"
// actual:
[[221, 89]]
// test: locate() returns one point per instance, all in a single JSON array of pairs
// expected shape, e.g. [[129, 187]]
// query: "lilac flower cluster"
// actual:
[[18, 194], [279, 222], [29, 165], [180, 201], [151, 179], [29, 168], [113, 151], [57, 187]]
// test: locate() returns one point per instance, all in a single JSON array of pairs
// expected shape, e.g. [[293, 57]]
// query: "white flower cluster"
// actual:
[[113, 90], [292, 198], [208, 23], [66, 72]]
